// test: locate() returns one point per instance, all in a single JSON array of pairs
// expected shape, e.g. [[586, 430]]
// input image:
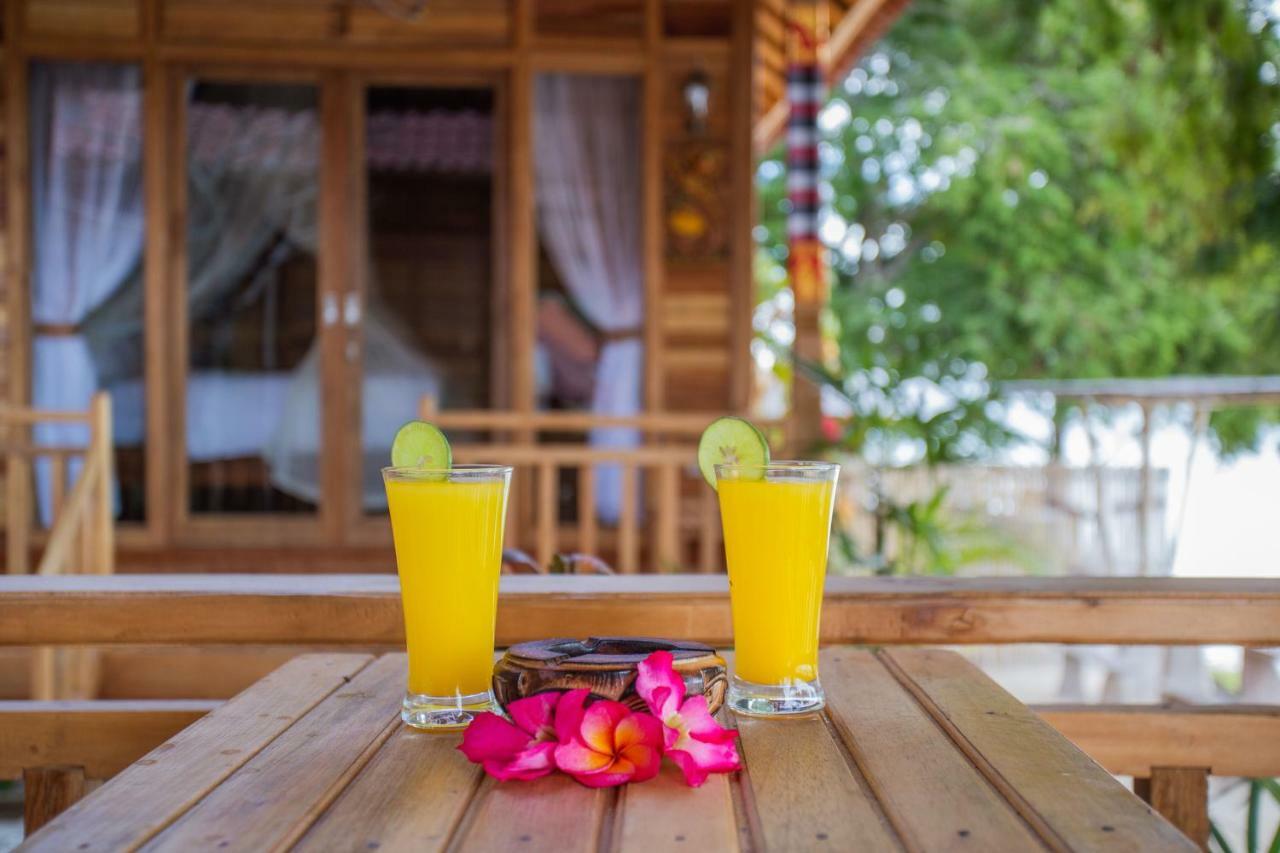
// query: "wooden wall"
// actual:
[[697, 181]]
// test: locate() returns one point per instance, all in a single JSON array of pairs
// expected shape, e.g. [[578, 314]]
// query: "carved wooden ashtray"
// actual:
[[607, 667]]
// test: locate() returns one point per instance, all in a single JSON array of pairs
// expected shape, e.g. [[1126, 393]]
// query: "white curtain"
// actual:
[[587, 153], [87, 228]]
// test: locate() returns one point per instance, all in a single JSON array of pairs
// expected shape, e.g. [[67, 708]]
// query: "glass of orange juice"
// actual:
[[447, 525], [777, 524]]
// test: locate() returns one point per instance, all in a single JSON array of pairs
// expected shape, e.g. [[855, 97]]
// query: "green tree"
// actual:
[[1047, 189]]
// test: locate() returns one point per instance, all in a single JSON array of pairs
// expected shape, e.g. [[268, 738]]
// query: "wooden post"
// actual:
[[667, 512], [1181, 795], [806, 260], [18, 491], [547, 512], [1144, 496], [48, 792], [100, 525]]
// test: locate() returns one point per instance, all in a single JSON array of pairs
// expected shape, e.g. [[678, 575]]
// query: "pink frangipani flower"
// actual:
[[606, 744], [693, 739], [525, 750]]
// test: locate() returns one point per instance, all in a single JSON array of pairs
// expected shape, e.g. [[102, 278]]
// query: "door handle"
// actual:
[[351, 310], [329, 309]]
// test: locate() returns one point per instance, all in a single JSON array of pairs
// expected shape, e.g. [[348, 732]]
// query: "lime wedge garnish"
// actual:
[[730, 441], [421, 445]]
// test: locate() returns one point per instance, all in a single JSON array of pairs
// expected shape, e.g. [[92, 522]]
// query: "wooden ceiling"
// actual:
[[851, 26]]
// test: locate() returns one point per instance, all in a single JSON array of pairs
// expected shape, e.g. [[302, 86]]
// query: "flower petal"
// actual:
[[569, 713], [536, 714], [694, 775], [599, 722], [536, 761], [697, 758], [646, 759], [489, 737], [601, 780], [576, 758], [696, 718], [659, 685]]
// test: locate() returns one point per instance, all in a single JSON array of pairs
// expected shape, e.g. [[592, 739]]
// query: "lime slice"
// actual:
[[420, 445], [730, 441]]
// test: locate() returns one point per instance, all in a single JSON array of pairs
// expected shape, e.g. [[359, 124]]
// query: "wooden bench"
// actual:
[[1177, 748]]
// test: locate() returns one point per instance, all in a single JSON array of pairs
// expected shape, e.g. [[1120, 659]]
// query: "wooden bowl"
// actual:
[[607, 667]]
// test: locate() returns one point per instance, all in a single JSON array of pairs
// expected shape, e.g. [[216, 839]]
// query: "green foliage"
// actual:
[[1052, 189], [1252, 817], [930, 538]]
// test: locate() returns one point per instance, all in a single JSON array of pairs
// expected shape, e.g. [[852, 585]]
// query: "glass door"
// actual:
[[251, 379], [425, 213]]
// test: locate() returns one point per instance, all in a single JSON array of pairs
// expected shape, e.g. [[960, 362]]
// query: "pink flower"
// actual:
[[693, 739], [525, 750], [606, 744]]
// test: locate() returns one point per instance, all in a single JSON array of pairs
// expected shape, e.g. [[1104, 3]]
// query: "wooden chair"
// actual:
[[671, 524], [80, 538]]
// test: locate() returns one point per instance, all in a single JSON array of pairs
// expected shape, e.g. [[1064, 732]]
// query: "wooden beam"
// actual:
[[101, 736], [1132, 740], [365, 609], [48, 792], [1181, 795]]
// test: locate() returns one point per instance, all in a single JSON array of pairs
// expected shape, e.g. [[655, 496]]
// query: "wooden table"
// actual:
[[917, 750]]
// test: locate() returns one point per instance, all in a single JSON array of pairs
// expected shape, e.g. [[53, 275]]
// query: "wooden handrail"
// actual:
[[365, 609], [81, 538], [687, 424], [102, 736], [1132, 740], [58, 551]]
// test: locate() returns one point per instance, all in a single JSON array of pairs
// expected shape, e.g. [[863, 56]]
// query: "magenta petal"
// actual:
[[536, 761], [602, 780], [569, 712], [536, 714], [489, 738], [706, 757], [694, 775], [575, 757], [599, 723], [659, 685], [696, 718]]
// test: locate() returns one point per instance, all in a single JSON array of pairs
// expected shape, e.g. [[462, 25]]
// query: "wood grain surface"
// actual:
[[365, 609], [917, 751]]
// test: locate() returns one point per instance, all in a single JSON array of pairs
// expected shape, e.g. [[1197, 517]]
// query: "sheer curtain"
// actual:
[[587, 154], [87, 228]]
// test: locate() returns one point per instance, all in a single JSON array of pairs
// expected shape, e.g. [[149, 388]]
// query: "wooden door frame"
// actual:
[[217, 529], [359, 529]]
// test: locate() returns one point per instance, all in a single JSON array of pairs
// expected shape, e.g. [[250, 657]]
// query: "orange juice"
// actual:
[[776, 533], [448, 538]]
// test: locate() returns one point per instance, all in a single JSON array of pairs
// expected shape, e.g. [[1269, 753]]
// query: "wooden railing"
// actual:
[[80, 537], [1172, 750], [667, 518]]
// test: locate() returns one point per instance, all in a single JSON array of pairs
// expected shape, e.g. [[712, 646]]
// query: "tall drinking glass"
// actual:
[[777, 525], [447, 525]]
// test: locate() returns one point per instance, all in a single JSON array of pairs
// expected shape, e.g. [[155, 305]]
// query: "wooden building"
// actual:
[[270, 227]]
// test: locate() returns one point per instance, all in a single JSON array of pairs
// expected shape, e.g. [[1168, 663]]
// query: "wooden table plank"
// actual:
[[1071, 802], [276, 795], [934, 797], [551, 815], [805, 792], [155, 790], [410, 796], [666, 814]]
